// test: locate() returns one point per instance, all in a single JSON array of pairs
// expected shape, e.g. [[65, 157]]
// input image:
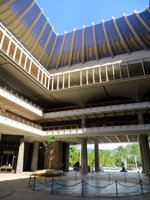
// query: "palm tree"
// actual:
[[134, 151], [123, 155]]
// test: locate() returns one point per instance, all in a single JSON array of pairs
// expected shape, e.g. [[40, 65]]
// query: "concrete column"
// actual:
[[66, 157], [96, 157], [35, 154], [20, 160], [84, 163], [140, 118], [0, 136], [83, 123], [145, 153]]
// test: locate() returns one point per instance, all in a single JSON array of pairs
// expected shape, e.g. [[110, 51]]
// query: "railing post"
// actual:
[[139, 177], [75, 175], [34, 181], [45, 177], [82, 188], [109, 176], [141, 187], [116, 189], [125, 177], [52, 187]]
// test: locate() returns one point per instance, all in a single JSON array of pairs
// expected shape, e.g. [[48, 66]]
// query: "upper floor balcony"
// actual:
[[103, 130], [12, 49], [107, 70], [18, 104]]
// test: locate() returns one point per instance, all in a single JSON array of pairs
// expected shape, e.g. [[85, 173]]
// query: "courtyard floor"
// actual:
[[16, 187]]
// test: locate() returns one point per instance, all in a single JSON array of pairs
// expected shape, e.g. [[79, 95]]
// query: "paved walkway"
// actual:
[[15, 187]]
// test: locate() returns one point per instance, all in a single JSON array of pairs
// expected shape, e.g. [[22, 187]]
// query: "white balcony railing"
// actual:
[[12, 48], [96, 129], [134, 66], [19, 100]]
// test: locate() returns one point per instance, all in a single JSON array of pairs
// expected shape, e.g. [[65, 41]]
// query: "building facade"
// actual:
[[88, 86]]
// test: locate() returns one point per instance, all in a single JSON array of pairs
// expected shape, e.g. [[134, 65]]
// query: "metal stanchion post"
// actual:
[[141, 187], [116, 189], [75, 175], [82, 188], [139, 177], [45, 177], [52, 186], [34, 182], [125, 177], [109, 176], [92, 175]]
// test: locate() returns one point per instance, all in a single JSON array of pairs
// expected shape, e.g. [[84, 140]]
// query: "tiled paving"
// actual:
[[15, 187]]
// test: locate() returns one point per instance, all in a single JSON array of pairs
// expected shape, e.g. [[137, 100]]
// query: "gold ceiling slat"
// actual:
[[135, 34], [121, 37], [95, 44], [51, 53], [142, 21], [4, 5], [71, 50], [83, 45], [107, 40], [46, 43], [61, 50], [25, 35], [14, 22], [39, 36]]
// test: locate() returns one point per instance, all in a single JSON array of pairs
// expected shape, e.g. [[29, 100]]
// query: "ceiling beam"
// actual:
[[71, 50], [51, 52], [142, 21], [61, 51], [83, 45], [108, 139], [140, 41], [95, 44], [121, 37], [33, 46], [15, 22], [46, 43], [107, 40]]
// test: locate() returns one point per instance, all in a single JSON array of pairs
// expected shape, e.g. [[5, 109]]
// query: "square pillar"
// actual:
[[35, 154], [20, 160], [96, 157], [65, 157], [84, 163], [145, 153]]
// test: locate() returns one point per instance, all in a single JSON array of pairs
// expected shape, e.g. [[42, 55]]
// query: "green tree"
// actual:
[[105, 158], [91, 158], [74, 155], [134, 153], [123, 154], [49, 146]]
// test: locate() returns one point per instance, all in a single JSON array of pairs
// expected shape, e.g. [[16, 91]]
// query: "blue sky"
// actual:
[[65, 15]]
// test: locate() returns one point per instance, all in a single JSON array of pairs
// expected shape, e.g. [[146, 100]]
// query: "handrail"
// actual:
[[20, 97], [98, 124], [41, 71], [108, 103], [29, 54], [19, 119]]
